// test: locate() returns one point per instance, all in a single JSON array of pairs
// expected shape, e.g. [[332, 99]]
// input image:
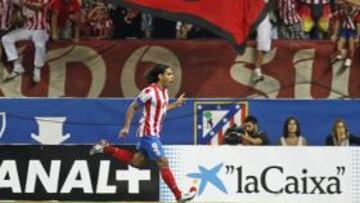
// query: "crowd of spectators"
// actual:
[[290, 19], [333, 20], [250, 134]]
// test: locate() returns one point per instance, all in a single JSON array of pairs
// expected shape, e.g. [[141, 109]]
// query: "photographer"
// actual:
[[248, 134]]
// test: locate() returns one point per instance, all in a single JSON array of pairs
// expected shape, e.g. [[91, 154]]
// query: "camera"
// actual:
[[233, 135]]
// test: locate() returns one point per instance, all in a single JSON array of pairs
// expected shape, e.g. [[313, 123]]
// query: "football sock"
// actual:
[[120, 154], [169, 179]]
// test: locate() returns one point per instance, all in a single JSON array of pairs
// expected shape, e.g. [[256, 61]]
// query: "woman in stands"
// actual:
[[341, 136], [292, 134]]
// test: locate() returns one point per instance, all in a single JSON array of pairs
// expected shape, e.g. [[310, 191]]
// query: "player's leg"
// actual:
[[138, 160], [39, 38], [168, 177], [8, 42], [124, 156], [156, 152]]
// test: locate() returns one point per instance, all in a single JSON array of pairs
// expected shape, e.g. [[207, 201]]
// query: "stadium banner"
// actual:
[[199, 121], [266, 174], [300, 69], [70, 173]]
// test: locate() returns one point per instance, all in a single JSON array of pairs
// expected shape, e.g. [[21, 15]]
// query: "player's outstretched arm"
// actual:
[[129, 116], [179, 102]]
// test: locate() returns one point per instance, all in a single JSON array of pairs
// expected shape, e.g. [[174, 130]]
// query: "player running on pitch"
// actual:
[[154, 100]]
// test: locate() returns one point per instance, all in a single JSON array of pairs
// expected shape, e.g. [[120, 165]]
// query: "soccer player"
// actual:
[[154, 98]]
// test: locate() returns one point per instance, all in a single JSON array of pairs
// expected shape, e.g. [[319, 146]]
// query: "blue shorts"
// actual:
[[151, 147], [348, 33]]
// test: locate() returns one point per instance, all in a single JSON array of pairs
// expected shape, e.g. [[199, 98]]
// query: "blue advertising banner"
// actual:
[[81, 121], [316, 117], [85, 121]]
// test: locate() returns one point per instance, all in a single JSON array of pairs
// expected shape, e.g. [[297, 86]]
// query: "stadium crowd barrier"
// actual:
[[85, 121], [300, 69], [220, 173]]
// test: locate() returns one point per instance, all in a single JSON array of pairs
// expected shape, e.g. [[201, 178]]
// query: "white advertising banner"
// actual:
[[265, 174]]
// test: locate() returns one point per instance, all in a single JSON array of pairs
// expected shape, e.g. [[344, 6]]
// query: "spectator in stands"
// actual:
[[127, 23], [292, 134], [101, 25], [84, 20], [182, 30], [7, 16], [289, 20], [347, 29], [341, 136], [315, 15], [35, 29], [65, 15], [147, 25], [263, 45], [252, 135]]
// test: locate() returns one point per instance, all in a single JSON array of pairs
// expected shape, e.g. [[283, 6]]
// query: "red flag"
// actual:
[[233, 20]]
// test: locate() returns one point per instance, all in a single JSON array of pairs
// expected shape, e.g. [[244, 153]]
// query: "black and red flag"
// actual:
[[233, 20]]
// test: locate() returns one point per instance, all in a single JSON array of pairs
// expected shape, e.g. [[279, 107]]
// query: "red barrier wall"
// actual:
[[293, 69]]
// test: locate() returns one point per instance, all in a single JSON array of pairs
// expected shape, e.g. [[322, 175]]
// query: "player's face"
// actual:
[[167, 78]]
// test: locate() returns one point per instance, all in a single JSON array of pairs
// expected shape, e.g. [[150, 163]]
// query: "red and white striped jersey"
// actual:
[[36, 20], [6, 10], [348, 19], [287, 12], [155, 101], [316, 1]]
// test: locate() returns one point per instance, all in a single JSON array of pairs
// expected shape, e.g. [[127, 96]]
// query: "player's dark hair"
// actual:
[[153, 75]]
